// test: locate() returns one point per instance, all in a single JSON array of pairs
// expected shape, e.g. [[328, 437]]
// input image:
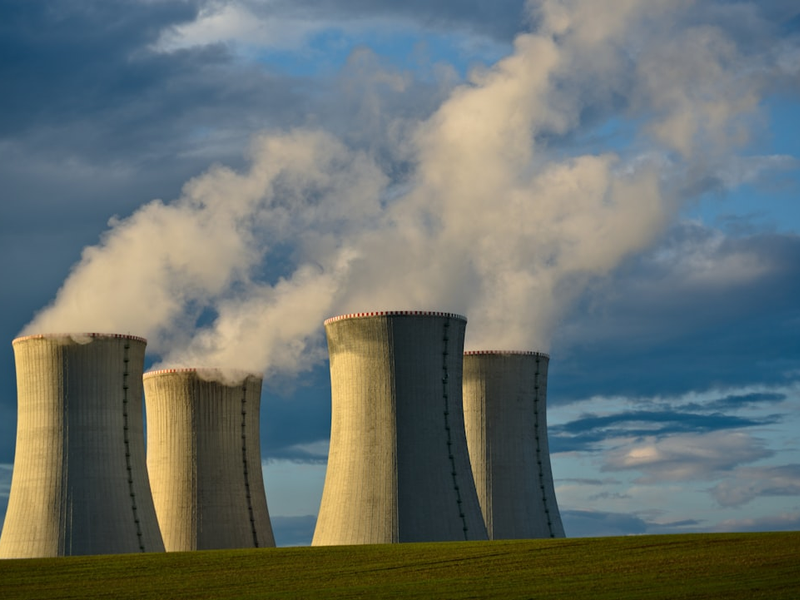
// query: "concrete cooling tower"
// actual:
[[80, 482], [204, 458], [398, 465], [506, 424]]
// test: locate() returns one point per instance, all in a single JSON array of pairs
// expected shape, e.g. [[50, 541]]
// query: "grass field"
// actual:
[[729, 566]]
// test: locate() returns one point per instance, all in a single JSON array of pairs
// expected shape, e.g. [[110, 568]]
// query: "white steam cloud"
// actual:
[[499, 220]]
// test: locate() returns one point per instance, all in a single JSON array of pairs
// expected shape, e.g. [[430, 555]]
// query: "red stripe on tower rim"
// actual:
[[42, 336], [395, 313], [167, 371], [505, 353]]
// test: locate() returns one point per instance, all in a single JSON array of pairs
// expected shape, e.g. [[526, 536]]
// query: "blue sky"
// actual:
[[614, 183]]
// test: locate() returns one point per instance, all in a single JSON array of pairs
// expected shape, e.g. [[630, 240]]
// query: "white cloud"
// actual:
[[234, 23], [748, 483], [252, 28], [699, 99], [686, 456], [786, 521], [314, 452], [741, 170], [706, 262]]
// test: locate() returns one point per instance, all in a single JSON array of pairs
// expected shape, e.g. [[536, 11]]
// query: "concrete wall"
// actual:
[[505, 417], [204, 458], [398, 465], [80, 482]]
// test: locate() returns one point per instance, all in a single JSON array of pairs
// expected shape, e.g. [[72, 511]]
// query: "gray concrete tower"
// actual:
[[398, 465], [80, 482], [204, 458], [505, 417]]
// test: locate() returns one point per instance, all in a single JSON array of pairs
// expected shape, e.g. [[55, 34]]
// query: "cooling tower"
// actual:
[[80, 481], [398, 465], [505, 417], [204, 458]]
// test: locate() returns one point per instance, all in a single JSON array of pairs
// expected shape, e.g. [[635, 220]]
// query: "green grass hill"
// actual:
[[728, 566]]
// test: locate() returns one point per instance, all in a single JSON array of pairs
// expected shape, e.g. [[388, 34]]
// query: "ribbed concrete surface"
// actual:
[[398, 466], [505, 417], [80, 482], [204, 458]]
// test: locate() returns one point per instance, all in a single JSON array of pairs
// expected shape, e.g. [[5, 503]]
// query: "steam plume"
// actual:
[[501, 220]]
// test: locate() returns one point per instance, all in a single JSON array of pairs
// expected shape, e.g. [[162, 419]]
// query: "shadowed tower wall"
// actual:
[[398, 465], [80, 483], [204, 458], [506, 424]]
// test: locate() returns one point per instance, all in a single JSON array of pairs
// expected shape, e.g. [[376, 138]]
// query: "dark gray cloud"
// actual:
[[87, 52], [700, 310], [94, 120], [586, 523], [660, 422], [739, 401], [587, 432]]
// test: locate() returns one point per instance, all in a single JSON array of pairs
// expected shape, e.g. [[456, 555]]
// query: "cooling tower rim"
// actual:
[[44, 336], [505, 353], [395, 313], [200, 370]]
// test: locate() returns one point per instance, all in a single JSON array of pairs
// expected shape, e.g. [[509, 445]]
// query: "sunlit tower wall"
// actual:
[[80, 483], [505, 417], [204, 459], [398, 464]]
